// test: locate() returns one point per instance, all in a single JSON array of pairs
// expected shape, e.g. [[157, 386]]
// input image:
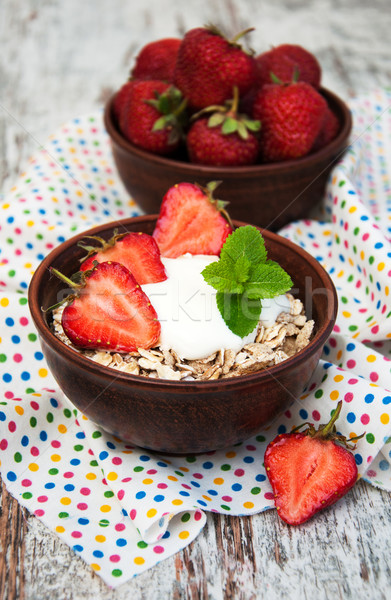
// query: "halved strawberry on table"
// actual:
[[191, 221], [108, 310], [137, 251]]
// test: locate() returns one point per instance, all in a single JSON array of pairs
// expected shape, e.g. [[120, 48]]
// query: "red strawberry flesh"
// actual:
[[189, 222], [138, 252], [111, 313]]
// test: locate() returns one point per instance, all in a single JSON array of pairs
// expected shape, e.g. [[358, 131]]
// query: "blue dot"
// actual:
[[7, 377], [166, 535], [42, 211], [2, 416], [124, 512], [43, 436], [207, 465], [202, 502], [83, 521], [369, 398], [10, 220], [195, 483], [140, 495], [326, 350], [161, 521], [15, 339], [281, 429], [158, 498], [384, 465], [61, 239], [161, 464], [54, 402], [121, 542], [98, 554], [303, 413], [358, 459], [25, 376], [80, 435], [351, 417], [386, 400], [364, 218], [248, 459], [236, 487], [11, 476], [25, 441], [379, 245], [38, 356], [10, 322], [145, 458], [260, 477], [350, 346], [212, 492], [29, 245], [110, 445], [75, 462], [50, 486], [182, 493], [78, 548], [69, 487], [103, 455]]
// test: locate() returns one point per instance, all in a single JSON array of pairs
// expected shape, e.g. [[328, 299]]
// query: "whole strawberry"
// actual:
[[309, 470], [121, 98], [284, 60], [157, 60], [292, 116], [151, 116], [328, 131], [209, 65], [225, 138]]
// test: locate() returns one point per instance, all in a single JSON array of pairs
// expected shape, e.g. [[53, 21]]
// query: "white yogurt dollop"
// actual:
[[191, 323]]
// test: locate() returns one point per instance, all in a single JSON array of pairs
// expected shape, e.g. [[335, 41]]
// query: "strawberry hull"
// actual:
[[181, 417]]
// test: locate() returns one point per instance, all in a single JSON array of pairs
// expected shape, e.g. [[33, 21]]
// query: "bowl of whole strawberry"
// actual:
[[182, 332], [202, 108]]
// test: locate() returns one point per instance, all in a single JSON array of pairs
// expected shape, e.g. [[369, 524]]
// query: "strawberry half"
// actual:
[[309, 470], [190, 220], [109, 311], [138, 252]]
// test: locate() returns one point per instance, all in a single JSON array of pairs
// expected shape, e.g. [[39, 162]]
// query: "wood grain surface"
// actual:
[[62, 59]]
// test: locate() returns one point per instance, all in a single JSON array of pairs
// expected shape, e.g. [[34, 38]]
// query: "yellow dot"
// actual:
[[55, 457], [95, 567], [62, 429], [351, 262], [352, 434], [90, 476], [230, 454], [172, 478], [381, 266], [218, 481], [248, 504], [54, 199], [79, 193], [19, 410], [340, 274], [33, 467], [60, 529], [346, 314], [338, 378], [356, 335], [177, 502], [73, 150], [185, 469], [371, 358], [127, 451], [147, 481], [30, 223], [206, 498], [334, 394], [28, 265], [43, 372], [327, 232], [184, 534], [384, 418], [386, 290], [65, 500], [112, 476], [339, 354], [352, 209], [139, 560], [4, 302], [151, 513], [5, 206], [100, 538], [362, 254], [105, 508]]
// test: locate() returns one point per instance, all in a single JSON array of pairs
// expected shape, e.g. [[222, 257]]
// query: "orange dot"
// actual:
[[352, 209], [172, 478], [19, 410], [381, 266], [338, 378], [147, 481], [43, 372], [218, 481], [184, 469], [248, 504], [55, 457], [60, 529], [62, 429], [4, 302], [90, 476], [230, 454], [334, 394], [95, 567], [339, 354], [206, 498], [384, 418], [33, 467], [346, 314]]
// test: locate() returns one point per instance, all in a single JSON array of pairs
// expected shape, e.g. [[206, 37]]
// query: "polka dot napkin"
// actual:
[[123, 509]]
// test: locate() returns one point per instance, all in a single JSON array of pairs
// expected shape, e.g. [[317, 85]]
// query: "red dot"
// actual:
[[116, 460], [351, 364], [158, 549], [56, 444], [348, 397], [162, 486], [3, 444], [316, 415], [120, 494], [336, 328], [226, 498], [365, 236], [365, 419], [250, 447], [34, 405], [115, 558], [26, 483], [332, 342], [269, 496], [34, 451], [375, 329], [24, 321], [82, 506], [151, 471], [197, 515], [39, 512], [126, 479], [239, 472], [133, 514], [76, 534], [9, 395], [85, 491], [42, 498], [373, 376], [352, 381], [119, 527], [18, 358], [68, 475], [198, 476], [12, 426]]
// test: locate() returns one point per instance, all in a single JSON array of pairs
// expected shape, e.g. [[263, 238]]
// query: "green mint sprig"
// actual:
[[243, 277]]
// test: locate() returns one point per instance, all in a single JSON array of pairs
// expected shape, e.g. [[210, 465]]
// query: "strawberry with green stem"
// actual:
[[310, 470]]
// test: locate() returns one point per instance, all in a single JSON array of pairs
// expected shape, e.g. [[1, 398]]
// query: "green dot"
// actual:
[[356, 230], [341, 183], [33, 422], [27, 180], [337, 239], [94, 463], [53, 471], [51, 188], [118, 203], [67, 413], [225, 507], [57, 211], [49, 417], [92, 197], [78, 448], [11, 273], [32, 337], [10, 241], [190, 459], [63, 515], [74, 227], [369, 319], [355, 249], [353, 327], [96, 434], [256, 490], [350, 278], [371, 260], [370, 277], [39, 236], [104, 523], [3, 358], [116, 572], [343, 203], [178, 473], [108, 494], [185, 517], [17, 457], [96, 143], [27, 495], [260, 438], [370, 438], [142, 544], [344, 300], [225, 467], [70, 139], [324, 377], [367, 290], [318, 393], [22, 301], [30, 390], [138, 469], [26, 211]]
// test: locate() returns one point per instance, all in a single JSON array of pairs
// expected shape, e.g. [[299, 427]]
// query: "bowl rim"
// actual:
[[337, 147], [183, 387]]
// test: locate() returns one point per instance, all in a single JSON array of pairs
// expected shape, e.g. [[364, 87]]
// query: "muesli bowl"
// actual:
[[182, 417]]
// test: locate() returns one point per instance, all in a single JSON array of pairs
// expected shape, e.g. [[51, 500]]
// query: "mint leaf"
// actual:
[[240, 315], [221, 277], [245, 241], [268, 280]]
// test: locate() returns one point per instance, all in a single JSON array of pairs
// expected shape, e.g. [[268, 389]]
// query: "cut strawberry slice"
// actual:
[[138, 252], [190, 220], [109, 311]]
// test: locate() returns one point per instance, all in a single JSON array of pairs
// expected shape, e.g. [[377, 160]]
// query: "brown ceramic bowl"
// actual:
[[182, 417], [268, 195]]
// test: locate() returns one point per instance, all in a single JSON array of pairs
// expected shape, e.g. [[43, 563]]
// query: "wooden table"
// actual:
[[62, 59]]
